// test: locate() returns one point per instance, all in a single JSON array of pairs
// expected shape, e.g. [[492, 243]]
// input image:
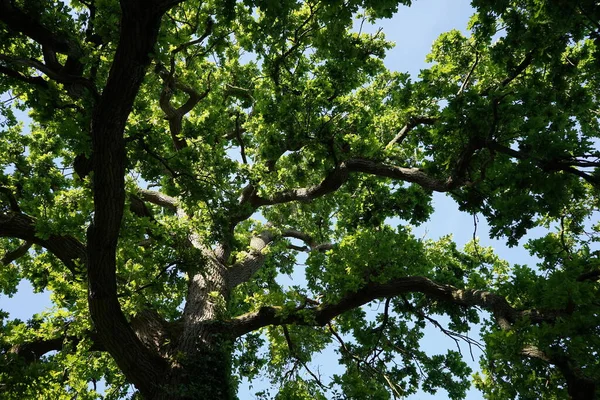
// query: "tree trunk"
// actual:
[[201, 367], [205, 376]]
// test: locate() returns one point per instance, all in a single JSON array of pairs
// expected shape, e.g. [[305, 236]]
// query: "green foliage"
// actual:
[[292, 104]]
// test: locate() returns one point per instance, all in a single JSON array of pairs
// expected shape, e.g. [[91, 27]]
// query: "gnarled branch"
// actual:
[[32, 351], [306, 238], [175, 115], [564, 165], [29, 25], [503, 312], [160, 199], [341, 174], [17, 253], [243, 270], [66, 248]]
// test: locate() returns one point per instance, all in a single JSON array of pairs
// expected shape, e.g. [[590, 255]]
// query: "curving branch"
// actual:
[[341, 174], [207, 31], [253, 260], [592, 275], [311, 243], [552, 165], [519, 69], [52, 43], [412, 123], [33, 350], [504, 314], [160, 199], [30, 25], [580, 387], [54, 71], [12, 200], [66, 248], [243, 270], [32, 80], [11, 256], [175, 115]]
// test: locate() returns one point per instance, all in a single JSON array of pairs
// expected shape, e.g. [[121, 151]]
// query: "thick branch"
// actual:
[[66, 248], [243, 270], [593, 275], [32, 80], [53, 72], [12, 200], [546, 165], [341, 174], [30, 26], [15, 254], [51, 42], [580, 387], [309, 240], [504, 314], [160, 199], [33, 350]]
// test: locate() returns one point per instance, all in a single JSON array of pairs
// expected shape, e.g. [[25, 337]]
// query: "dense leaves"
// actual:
[[218, 191]]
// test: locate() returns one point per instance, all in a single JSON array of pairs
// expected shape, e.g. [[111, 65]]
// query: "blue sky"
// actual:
[[413, 30]]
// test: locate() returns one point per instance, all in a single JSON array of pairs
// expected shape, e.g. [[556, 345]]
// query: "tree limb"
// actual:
[[53, 72], [160, 199], [12, 200], [30, 26], [545, 165], [412, 123], [51, 42], [33, 350], [148, 325], [32, 80], [175, 115], [243, 270], [17, 253], [341, 174], [514, 74], [207, 31], [580, 387], [309, 240], [593, 275], [504, 314], [66, 248]]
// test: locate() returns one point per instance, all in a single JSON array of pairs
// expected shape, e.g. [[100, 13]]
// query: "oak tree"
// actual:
[[182, 155]]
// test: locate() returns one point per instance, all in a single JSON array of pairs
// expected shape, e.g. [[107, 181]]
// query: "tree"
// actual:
[[183, 154]]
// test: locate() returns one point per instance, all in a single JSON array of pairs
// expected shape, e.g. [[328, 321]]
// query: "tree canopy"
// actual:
[[183, 155]]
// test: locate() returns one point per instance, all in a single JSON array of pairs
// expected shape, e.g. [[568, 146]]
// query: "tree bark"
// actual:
[[140, 24]]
